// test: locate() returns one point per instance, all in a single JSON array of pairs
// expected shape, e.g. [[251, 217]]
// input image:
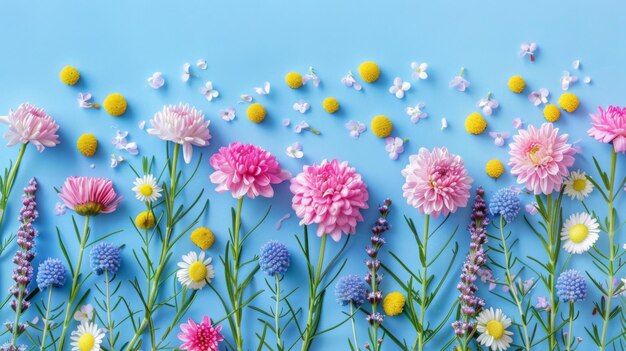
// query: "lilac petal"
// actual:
[[397, 82]]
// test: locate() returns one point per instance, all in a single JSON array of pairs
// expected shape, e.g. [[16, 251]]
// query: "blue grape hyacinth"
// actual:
[[51, 272], [351, 288], [571, 286], [105, 257], [505, 203], [274, 258]]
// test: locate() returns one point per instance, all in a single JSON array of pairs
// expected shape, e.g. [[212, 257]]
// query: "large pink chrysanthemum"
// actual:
[[245, 169], [89, 196], [183, 125], [331, 195], [436, 182], [610, 127], [200, 337], [29, 124], [540, 158]]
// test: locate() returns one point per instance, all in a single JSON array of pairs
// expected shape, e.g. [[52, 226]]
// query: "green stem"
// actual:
[[553, 250], [309, 333], [237, 299], [18, 314], [279, 344], [46, 321], [8, 183], [109, 319], [571, 324], [423, 297], [356, 342]]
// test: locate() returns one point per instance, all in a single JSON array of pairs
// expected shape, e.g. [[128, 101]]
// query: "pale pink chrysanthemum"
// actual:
[[89, 196], [436, 182], [29, 124], [540, 158], [331, 195], [200, 337], [245, 169], [609, 126], [183, 125]]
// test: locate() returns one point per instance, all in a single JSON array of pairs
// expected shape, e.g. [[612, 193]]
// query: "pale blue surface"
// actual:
[[116, 45]]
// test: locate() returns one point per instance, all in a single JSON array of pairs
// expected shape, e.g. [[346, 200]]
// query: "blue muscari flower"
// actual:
[[571, 286], [351, 288], [51, 272], [506, 203], [105, 257], [274, 258]]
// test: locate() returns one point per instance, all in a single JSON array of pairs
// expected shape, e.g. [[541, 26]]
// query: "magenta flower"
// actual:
[[540, 158], [182, 125], [89, 196], [245, 169], [200, 337], [610, 127], [29, 124], [436, 182], [331, 195]]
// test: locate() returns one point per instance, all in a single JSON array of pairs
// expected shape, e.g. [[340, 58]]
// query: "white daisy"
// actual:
[[577, 186], [195, 272], [87, 337], [146, 188], [491, 326], [580, 232]]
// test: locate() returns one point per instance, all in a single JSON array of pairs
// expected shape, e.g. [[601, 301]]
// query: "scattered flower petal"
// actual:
[[517, 123], [459, 83], [567, 79], [120, 142], [209, 92], [351, 82], [295, 150], [528, 49], [394, 147], [488, 104], [186, 74], [576, 64], [301, 106], [587, 80], [83, 101], [245, 99], [264, 90], [116, 160], [499, 137], [286, 122], [156, 80], [531, 208], [416, 112], [59, 209], [539, 97], [542, 303], [444, 124], [201, 64], [311, 76], [281, 220], [399, 87], [141, 124], [355, 128], [84, 313], [419, 70], [228, 114]]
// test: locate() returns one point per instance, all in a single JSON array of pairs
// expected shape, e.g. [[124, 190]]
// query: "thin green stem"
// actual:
[[18, 314], [279, 343], [356, 342], [108, 305], [46, 321], [611, 268], [237, 299], [424, 292], [568, 346], [8, 183], [309, 333]]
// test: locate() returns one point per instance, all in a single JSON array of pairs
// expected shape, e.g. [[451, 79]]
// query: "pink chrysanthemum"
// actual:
[[200, 337], [183, 125], [29, 124], [89, 196], [331, 195], [610, 127], [245, 169], [540, 158], [436, 182]]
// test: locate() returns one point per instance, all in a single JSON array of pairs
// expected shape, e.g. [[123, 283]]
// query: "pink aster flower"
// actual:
[[182, 125], [200, 337], [436, 182], [610, 127], [331, 195], [29, 124], [540, 158], [89, 196], [245, 169]]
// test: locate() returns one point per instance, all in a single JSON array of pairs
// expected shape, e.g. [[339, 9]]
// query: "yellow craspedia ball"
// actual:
[[145, 220], [87, 144], [569, 102], [475, 123], [382, 126], [293, 80], [330, 104], [551, 113], [393, 304], [256, 113], [517, 84], [115, 104], [203, 237], [69, 75], [494, 168], [369, 71]]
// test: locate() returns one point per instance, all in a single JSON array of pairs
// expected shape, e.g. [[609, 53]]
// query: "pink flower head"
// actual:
[[331, 195], [29, 124], [182, 125], [436, 182], [200, 337], [89, 196], [540, 158], [610, 127], [245, 169]]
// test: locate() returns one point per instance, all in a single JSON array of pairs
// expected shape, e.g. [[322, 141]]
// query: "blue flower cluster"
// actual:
[[51, 272], [351, 288], [274, 258], [571, 286], [505, 203], [105, 257]]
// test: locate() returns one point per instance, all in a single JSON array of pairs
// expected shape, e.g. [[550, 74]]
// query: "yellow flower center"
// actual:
[[579, 184], [578, 233], [146, 190], [86, 342], [197, 272], [495, 329], [89, 209]]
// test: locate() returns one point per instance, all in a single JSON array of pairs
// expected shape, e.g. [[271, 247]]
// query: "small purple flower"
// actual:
[[539, 97], [120, 143], [567, 79], [517, 123], [528, 49], [355, 128], [351, 82], [459, 83], [399, 87], [209, 92], [416, 112], [499, 137], [488, 104], [311, 76], [156, 80], [298, 128], [394, 147], [419, 70], [531, 208], [301, 106], [264, 90], [228, 114], [295, 150]]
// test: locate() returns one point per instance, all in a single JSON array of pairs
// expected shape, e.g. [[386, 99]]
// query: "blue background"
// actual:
[[117, 45]]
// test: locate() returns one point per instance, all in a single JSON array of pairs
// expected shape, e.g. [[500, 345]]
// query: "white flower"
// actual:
[[295, 150], [120, 142], [419, 70], [301, 106], [491, 326], [201, 64], [577, 186], [355, 128], [539, 97], [499, 137], [186, 74], [87, 337], [444, 124], [228, 114], [116, 160], [311, 76], [528, 49], [84, 313], [488, 104], [194, 271], [416, 112], [209, 92], [567, 79], [146, 188], [156, 80], [264, 90], [579, 233], [351, 82], [394, 147], [399, 87]]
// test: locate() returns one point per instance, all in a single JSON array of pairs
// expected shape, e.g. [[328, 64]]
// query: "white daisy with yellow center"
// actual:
[[491, 325], [579, 233], [577, 186], [194, 271], [87, 337], [146, 188]]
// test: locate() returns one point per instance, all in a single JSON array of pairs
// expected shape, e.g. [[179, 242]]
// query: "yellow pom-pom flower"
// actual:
[[256, 113], [145, 220], [569, 102], [393, 304], [494, 168], [475, 123], [517, 84], [69, 75], [115, 104], [551, 113], [293, 80], [87, 144], [330, 104], [369, 71], [382, 126], [203, 237]]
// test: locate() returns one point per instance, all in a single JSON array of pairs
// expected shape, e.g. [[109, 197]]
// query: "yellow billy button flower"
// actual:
[[330, 104], [69, 75], [203, 237], [293, 80], [115, 104], [475, 123], [87, 144], [369, 71], [569, 102], [382, 126], [494, 168], [551, 113], [393, 304], [517, 84], [256, 113]]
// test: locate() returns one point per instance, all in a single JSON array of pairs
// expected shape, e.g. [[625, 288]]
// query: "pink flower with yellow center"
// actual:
[[609, 126], [89, 196]]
